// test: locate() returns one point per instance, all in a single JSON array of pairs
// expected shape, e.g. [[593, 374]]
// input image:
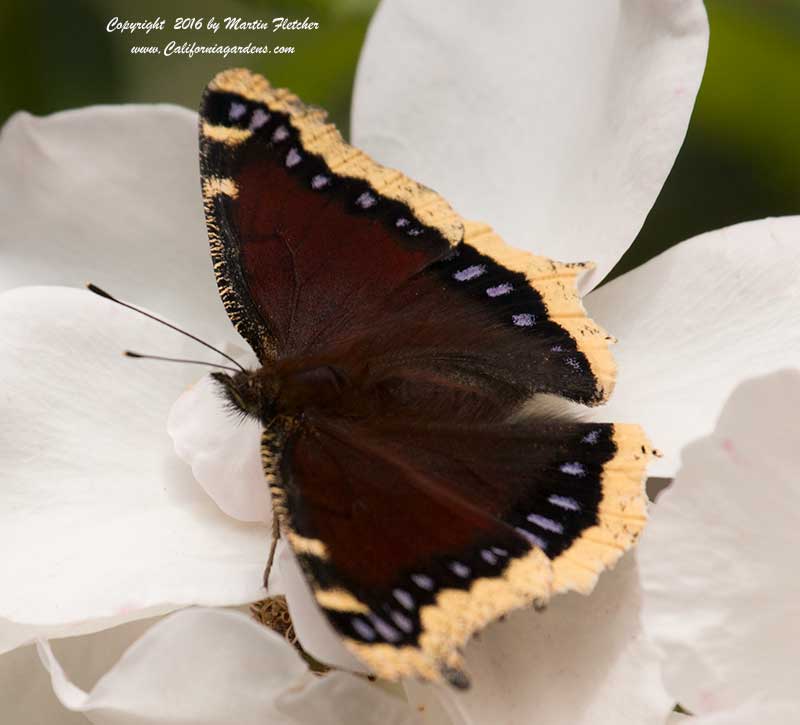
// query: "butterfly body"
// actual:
[[266, 392], [400, 346]]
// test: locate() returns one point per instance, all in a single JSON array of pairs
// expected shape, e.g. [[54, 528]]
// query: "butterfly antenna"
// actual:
[[102, 293], [140, 356]]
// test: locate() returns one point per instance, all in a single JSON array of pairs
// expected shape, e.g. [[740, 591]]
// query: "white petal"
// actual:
[[100, 522], [719, 564], [695, 321], [314, 633], [26, 696], [678, 718], [584, 660], [753, 713], [110, 194], [26, 693], [555, 122], [198, 666], [342, 699], [210, 667], [223, 451], [436, 704]]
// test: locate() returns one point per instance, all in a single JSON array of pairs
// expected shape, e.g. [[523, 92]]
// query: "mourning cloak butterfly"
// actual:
[[396, 341]]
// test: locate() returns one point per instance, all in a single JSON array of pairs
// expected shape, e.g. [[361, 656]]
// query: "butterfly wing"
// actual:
[[302, 225], [414, 537], [414, 530], [319, 250]]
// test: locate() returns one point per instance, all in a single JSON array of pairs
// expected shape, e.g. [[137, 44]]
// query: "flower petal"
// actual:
[[26, 695], [315, 634], [584, 660], [719, 566], [435, 704], [99, 521], [110, 194], [556, 122], [223, 451], [26, 692], [678, 718], [695, 321], [342, 699], [214, 666], [753, 713]]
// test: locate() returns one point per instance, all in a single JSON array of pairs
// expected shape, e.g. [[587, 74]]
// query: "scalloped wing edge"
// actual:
[[323, 139], [557, 283], [456, 615]]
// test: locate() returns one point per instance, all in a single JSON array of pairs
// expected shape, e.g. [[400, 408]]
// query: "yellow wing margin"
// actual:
[[323, 139], [556, 282], [456, 615]]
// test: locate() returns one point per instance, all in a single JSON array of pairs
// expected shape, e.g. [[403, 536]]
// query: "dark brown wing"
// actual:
[[414, 537], [320, 251], [432, 516]]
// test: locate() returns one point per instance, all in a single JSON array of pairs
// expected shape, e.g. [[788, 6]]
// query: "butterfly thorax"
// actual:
[[268, 391]]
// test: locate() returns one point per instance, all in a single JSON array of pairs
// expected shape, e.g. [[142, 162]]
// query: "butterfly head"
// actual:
[[251, 393]]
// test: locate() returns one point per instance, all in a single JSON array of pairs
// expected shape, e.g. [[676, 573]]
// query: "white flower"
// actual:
[[558, 123], [198, 666], [719, 570]]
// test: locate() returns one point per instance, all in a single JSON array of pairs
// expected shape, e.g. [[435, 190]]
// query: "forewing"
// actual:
[[322, 253], [304, 227], [485, 319], [415, 537]]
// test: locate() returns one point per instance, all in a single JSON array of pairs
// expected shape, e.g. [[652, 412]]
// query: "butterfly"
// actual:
[[400, 347]]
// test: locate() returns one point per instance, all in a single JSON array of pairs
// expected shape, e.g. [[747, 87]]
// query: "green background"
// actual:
[[741, 158]]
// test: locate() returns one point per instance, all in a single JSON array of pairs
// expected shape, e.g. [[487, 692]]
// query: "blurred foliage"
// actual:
[[741, 159], [56, 55]]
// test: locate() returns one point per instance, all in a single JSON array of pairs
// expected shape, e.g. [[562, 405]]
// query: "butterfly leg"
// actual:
[[271, 447], [276, 534]]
